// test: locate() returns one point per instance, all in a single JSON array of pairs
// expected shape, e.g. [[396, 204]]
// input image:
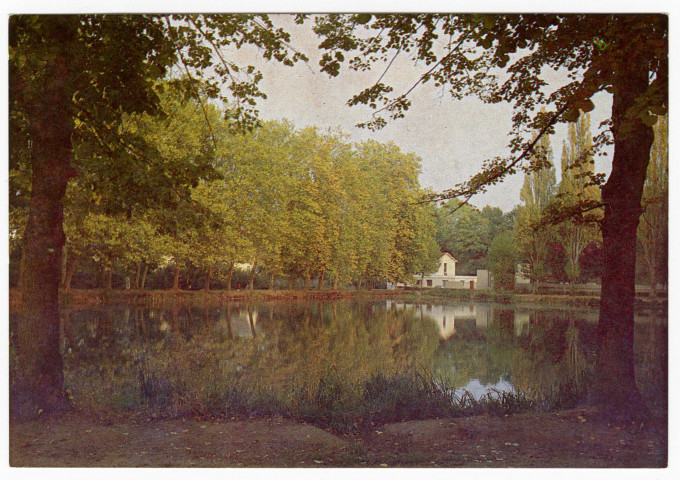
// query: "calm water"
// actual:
[[120, 357]]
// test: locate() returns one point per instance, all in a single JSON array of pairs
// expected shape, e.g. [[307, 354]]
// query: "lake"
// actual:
[[183, 359]]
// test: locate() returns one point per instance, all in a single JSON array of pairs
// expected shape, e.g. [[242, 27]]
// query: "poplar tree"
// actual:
[[653, 229], [531, 234], [576, 190]]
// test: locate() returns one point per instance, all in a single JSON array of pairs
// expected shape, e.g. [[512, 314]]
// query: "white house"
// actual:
[[445, 276]]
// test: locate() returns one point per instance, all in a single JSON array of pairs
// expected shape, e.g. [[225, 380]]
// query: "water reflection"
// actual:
[[177, 357]]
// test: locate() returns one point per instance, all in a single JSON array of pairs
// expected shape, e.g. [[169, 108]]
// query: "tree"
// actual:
[[533, 237], [504, 58], [503, 261], [653, 229], [576, 190], [74, 77], [463, 231]]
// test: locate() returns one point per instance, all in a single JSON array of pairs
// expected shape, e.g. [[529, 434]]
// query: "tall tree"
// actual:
[[532, 236], [503, 261], [75, 76], [575, 192], [505, 58], [653, 229]]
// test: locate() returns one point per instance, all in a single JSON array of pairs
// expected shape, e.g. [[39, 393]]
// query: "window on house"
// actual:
[[444, 269], [429, 283]]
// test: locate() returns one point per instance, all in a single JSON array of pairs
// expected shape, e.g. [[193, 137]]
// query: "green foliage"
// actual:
[[533, 236], [653, 228], [295, 203], [578, 196], [467, 232], [503, 261]]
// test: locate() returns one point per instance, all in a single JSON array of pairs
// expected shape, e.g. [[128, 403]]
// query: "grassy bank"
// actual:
[[333, 404]]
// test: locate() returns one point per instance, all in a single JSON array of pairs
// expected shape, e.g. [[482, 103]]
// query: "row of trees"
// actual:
[[559, 217], [564, 218], [300, 204]]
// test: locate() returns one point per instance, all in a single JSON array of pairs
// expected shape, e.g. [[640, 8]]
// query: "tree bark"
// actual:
[[229, 277], [208, 276], [106, 276], [22, 267], [70, 271], [138, 275], [615, 378], [252, 275], [272, 277], [64, 263], [144, 273], [175, 279], [321, 277], [652, 274], [39, 382]]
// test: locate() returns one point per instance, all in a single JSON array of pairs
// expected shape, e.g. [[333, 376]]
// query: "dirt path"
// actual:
[[566, 439]]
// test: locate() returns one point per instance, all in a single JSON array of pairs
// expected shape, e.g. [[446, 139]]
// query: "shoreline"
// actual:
[[160, 298]]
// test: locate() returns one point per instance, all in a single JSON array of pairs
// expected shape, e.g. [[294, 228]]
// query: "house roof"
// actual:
[[444, 252]]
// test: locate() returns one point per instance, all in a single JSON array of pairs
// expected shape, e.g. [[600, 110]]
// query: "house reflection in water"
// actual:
[[450, 317]]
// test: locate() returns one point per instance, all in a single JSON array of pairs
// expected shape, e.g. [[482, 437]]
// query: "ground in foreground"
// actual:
[[575, 438]]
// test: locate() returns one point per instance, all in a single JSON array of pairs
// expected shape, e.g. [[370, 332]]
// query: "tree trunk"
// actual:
[[40, 378], [106, 276], [272, 277], [64, 260], [252, 275], [652, 275], [306, 278], [335, 282], [321, 276], [291, 283], [229, 276], [175, 280], [138, 275], [70, 271], [144, 273], [208, 275], [22, 267], [622, 194]]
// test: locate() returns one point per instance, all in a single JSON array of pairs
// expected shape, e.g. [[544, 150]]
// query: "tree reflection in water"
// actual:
[[183, 358]]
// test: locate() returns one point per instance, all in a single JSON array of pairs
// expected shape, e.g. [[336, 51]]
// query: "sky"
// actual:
[[452, 137]]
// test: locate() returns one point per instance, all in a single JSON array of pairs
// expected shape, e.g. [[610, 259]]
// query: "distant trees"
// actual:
[[503, 261], [577, 196], [467, 232], [536, 194], [653, 228]]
